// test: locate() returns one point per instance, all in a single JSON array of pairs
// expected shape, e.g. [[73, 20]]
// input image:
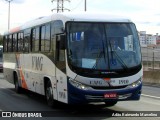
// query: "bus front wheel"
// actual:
[[49, 94]]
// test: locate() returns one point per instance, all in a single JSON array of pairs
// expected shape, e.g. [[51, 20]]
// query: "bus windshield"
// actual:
[[103, 46]]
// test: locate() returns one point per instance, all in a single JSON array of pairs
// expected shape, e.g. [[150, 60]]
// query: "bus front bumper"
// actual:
[[77, 96]]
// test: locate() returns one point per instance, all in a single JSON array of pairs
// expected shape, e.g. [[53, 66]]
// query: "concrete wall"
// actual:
[[151, 77]]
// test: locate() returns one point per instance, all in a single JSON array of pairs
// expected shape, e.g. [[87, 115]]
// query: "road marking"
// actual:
[[150, 96]]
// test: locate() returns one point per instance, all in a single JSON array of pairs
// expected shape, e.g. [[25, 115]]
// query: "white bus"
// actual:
[[75, 58]]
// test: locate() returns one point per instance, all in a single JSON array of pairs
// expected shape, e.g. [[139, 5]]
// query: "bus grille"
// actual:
[[108, 87]]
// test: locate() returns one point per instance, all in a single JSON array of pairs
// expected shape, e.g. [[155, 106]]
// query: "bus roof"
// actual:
[[93, 17], [85, 17]]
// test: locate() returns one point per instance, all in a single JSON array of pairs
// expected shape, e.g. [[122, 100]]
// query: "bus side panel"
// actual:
[[9, 66], [31, 70], [37, 66], [14, 62], [62, 90]]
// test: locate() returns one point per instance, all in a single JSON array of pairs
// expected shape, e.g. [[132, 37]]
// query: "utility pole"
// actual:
[[85, 5], [9, 1], [60, 5]]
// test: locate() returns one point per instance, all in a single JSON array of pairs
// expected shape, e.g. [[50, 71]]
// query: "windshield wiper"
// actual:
[[120, 60], [97, 59], [100, 55], [117, 56]]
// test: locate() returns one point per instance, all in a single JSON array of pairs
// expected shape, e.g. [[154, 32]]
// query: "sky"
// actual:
[[144, 13]]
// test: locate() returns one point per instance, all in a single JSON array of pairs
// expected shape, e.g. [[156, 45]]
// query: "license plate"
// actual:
[[110, 95]]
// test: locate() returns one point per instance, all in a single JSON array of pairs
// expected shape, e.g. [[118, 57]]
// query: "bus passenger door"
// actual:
[[61, 70]]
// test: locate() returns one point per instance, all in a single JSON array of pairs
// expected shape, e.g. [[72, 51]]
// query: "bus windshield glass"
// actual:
[[103, 46]]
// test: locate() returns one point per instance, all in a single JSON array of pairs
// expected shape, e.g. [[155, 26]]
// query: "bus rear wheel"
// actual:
[[16, 83], [49, 95]]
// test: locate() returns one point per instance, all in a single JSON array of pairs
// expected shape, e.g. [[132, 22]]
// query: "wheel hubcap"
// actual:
[[49, 93]]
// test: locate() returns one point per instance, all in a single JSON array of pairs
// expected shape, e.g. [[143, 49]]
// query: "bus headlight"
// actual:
[[136, 83], [79, 85]]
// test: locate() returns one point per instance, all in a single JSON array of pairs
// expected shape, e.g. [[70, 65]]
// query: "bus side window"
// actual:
[[42, 38], [60, 53], [10, 44], [35, 39], [26, 40], [15, 42], [47, 37], [5, 43], [56, 28], [20, 42]]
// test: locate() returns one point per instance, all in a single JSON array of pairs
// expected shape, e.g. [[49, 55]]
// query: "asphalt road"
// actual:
[[11, 101]]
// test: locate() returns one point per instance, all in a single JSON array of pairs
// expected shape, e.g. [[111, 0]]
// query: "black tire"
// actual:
[[16, 83], [109, 104], [49, 95]]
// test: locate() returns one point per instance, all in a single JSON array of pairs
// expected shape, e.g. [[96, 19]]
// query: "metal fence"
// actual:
[[151, 58]]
